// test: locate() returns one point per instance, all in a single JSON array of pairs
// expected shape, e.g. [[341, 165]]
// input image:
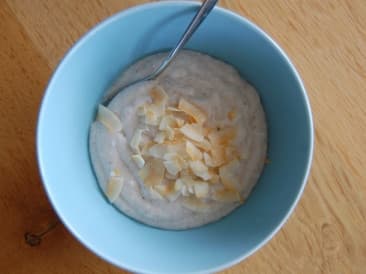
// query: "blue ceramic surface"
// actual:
[[68, 108]]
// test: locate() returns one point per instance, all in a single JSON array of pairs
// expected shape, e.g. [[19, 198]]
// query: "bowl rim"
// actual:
[[118, 16]]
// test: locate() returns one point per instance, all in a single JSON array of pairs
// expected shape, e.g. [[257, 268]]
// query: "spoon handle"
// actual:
[[204, 10], [200, 16]]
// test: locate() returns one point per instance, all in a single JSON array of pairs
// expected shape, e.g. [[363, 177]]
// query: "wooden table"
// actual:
[[327, 42]]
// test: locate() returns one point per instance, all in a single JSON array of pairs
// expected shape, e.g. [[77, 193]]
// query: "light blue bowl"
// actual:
[[68, 108]]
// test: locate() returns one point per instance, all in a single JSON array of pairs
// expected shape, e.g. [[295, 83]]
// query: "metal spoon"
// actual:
[[204, 10]]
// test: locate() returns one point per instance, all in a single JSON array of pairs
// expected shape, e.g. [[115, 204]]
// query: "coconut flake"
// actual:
[[155, 194], [136, 140], [227, 196], [195, 204], [158, 95], [193, 131], [201, 190], [193, 151], [166, 122], [167, 191], [200, 169], [109, 119], [158, 150], [204, 145], [153, 172], [153, 114], [178, 148], [170, 176], [172, 167], [222, 137], [180, 122], [228, 175], [218, 156], [178, 185], [184, 191], [208, 160], [140, 162], [160, 137], [173, 109], [114, 188], [192, 110]]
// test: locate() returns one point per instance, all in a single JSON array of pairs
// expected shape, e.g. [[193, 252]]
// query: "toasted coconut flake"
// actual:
[[178, 148], [217, 158], [155, 194], [204, 145], [193, 131], [178, 137], [173, 109], [153, 114], [173, 196], [167, 191], [162, 189], [218, 155], [170, 156], [200, 169], [172, 167], [194, 111], [170, 133], [109, 119], [158, 95], [222, 137], [208, 160], [160, 137], [201, 190], [170, 176], [158, 150], [181, 187], [227, 196], [136, 140], [193, 151], [184, 191], [190, 189], [188, 179], [178, 185], [153, 172], [228, 175], [137, 158], [177, 158], [114, 188], [195, 204], [187, 172], [180, 122], [167, 122]]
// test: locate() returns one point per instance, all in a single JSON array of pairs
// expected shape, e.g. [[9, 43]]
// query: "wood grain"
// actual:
[[326, 41]]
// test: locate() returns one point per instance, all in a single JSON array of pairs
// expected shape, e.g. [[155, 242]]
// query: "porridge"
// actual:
[[183, 150]]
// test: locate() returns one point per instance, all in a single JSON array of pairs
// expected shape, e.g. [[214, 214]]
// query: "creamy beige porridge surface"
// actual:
[[156, 150]]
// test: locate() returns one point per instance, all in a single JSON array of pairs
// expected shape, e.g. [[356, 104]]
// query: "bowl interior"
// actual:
[[69, 108]]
